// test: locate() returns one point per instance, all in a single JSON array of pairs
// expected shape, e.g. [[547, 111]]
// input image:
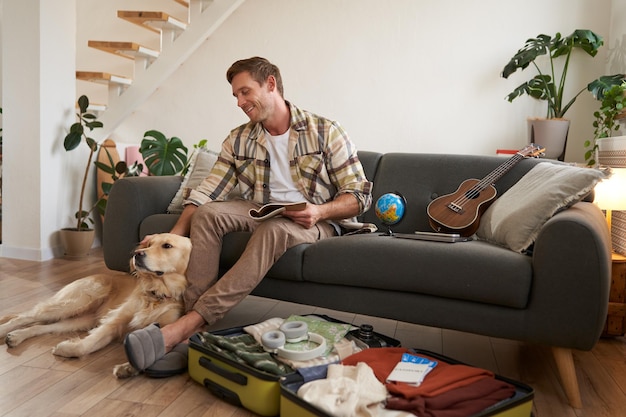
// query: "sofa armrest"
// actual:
[[130, 201], [572, 275]]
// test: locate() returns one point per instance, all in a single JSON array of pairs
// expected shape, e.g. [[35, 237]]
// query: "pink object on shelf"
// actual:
[[133, 155]]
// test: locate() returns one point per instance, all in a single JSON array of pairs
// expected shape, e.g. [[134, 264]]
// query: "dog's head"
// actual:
[[162, 254]]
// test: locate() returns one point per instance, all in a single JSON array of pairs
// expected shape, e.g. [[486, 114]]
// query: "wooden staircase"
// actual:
[[178, 41]]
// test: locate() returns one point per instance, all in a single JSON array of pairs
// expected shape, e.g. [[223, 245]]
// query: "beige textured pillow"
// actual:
[[514, 219], [199, 169]]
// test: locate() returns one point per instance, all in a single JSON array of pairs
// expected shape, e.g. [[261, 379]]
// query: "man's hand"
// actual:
[[144, 241], [342, 207], [306, 218]]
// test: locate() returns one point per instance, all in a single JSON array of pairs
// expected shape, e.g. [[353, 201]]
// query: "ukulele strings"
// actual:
[[488, 180]]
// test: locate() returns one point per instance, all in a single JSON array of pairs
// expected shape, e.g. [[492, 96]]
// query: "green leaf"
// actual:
[[101, 206], [104, 167], [532, 49], [93, 125], [83, 103], [163, 156], [106, 187], [600, 86], [93, 145], [72, 140]]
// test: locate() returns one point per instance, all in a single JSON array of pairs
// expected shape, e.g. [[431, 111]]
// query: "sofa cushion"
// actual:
[[514, 219], [473, 271], [201, 163]]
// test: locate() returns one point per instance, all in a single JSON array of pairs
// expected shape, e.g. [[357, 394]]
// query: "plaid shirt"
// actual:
[[324, 163]]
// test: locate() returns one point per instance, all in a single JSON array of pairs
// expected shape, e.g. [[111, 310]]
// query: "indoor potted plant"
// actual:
[[549, 85], [77, 240], [606, 120]]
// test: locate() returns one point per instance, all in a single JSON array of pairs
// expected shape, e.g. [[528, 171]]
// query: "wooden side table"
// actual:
[[616, 317]]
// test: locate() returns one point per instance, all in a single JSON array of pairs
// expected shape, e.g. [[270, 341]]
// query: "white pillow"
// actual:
[[514, 219], [199, 168]]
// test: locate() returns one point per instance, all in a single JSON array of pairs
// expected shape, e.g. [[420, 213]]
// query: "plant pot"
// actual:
[[612, 151], [550, 134], [77, 244]]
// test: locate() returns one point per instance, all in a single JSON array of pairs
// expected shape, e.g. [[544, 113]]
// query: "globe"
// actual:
[[390, 208]]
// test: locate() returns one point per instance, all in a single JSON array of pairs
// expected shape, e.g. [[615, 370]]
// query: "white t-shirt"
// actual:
[[282, 187]]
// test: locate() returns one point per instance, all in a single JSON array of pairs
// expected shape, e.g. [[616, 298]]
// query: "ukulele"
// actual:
[[460, 211]]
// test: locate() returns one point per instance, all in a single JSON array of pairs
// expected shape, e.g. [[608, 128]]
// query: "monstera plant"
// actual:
[[162, 155], [549, 82], [549, 85]]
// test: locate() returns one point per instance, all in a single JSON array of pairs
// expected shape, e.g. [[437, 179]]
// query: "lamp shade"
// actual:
[[610, 194]]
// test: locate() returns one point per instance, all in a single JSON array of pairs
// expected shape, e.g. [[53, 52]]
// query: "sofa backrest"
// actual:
[[421, 178]]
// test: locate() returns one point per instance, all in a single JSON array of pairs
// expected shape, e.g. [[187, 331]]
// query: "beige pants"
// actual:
[[212, 298]]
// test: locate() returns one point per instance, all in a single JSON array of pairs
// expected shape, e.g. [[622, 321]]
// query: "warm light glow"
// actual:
[[610, 194]]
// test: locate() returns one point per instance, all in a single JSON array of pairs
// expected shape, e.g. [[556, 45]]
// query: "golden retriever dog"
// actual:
[[110, 305]]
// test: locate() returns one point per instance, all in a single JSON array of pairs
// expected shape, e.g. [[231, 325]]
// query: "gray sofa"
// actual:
[[556, 296]]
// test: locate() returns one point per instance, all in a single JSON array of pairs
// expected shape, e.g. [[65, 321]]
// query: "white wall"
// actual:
[[39, 180], [405, 75]]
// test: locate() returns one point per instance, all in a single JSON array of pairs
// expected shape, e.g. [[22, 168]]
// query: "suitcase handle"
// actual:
[[235, 377]]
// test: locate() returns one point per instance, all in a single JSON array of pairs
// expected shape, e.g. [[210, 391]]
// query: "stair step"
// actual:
[[186, 2], [154, 21], [103, 78], [129, 50]]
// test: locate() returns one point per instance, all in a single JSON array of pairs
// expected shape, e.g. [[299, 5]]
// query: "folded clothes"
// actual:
[[459, 402], [337, 346], [245, 350], [441, 379], [449, 390], [346, 391]]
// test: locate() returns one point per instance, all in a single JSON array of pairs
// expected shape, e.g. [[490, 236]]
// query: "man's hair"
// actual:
[[259, 68]]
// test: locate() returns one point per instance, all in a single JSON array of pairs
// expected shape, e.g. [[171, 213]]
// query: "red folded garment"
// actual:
[[459, 402], [443, 378]]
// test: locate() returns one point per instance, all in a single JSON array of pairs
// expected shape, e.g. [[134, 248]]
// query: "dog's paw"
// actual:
[[124, 370], [13, 339], [69, 349]]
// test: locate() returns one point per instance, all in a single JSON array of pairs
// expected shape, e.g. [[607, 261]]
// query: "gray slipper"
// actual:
[[173, 363], [144, 346]]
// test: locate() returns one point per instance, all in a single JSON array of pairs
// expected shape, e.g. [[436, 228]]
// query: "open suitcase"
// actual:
[[520, 405], [238, 383]]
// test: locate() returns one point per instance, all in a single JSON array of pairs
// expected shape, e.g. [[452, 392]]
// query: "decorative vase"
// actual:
[[77, 244], [550, 134]]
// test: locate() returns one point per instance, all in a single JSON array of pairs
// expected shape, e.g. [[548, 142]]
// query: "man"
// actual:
[[284, 154]]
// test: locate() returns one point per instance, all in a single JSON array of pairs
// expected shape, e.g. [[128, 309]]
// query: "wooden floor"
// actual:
[[33, 382]]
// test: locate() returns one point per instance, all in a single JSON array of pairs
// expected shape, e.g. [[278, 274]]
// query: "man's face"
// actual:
[[253, 98]]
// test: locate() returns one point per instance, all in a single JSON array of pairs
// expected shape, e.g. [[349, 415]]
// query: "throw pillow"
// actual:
[[514, 219], [199, 168]]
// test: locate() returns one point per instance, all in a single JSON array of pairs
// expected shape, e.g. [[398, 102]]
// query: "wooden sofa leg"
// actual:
[[565, 365]]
